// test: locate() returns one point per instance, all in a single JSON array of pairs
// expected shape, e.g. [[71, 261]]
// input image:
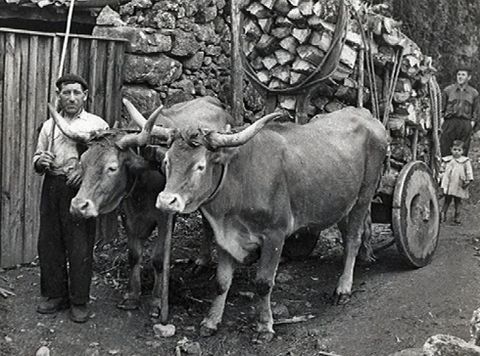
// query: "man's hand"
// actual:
[[74, 176], [466, 184], [45, 161]]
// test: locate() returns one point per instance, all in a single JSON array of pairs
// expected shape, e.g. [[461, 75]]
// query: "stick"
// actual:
[[6, 293], [324, 353], [361, 76], [166, 269], [62, 62], [294, 320]]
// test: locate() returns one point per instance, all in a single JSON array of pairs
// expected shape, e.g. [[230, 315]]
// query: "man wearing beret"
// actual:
[[64, 240], [460, 112]]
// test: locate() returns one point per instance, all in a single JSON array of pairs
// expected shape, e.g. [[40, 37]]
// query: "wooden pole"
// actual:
[[166, 269], [62, 63], [236, 63], [361, 77]]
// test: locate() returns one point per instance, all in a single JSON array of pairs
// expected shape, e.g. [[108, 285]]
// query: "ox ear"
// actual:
[[136, 164], [223, 155]]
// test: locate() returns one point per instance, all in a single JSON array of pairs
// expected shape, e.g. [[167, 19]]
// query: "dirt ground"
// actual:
[[392, 308]]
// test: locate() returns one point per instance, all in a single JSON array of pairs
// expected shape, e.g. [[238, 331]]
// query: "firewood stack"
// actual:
[[285, 41]]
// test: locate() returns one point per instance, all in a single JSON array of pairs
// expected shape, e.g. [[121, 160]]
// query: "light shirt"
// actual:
[[65, 149]]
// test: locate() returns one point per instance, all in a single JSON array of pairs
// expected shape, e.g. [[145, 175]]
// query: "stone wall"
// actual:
[[177, 49]]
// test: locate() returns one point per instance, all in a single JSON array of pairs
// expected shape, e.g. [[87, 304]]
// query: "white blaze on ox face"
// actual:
[[190, 174]]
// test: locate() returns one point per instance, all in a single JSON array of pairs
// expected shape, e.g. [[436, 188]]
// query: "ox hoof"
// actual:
[[206, 331], [129, 304], [341, 299], [263, 337]]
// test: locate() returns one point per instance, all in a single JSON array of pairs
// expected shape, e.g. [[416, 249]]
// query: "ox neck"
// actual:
[[219, 184]]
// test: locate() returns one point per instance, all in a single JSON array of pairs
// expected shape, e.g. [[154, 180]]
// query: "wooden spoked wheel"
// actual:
[[416, 214], [300, 244]]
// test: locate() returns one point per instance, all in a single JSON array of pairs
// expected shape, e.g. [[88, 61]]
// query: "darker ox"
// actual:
[[114, 173], [258, 186]]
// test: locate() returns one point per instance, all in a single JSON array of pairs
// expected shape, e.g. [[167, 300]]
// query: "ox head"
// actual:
[[195, 163], [105, 165]]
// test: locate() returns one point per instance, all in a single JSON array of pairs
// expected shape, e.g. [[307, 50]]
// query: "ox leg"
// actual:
[[225, 269], [157, 262], [205, 253], [131, 299], [351, 231], [366, 251], [265, 280]]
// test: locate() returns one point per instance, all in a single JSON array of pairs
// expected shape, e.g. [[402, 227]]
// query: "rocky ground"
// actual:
[[393, 307]]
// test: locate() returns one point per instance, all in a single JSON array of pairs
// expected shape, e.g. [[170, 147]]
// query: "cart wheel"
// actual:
[[415, 214], [300, 244]]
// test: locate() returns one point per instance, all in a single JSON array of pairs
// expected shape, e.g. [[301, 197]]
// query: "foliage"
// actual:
[[444, 29]]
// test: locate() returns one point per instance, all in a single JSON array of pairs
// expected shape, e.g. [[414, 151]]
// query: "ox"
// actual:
[[258, 186], [114, 173]]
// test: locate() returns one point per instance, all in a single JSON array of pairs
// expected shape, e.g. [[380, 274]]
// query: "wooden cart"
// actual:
[[407, 197]]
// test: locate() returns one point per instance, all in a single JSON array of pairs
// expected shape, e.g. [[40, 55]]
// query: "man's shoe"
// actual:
[[79, 313], [53, 305]]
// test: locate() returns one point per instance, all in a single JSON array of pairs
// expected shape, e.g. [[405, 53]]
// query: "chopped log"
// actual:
[[334, 105], [318, 9], [301, 66], [294, 2], [266, 24], [342, 72], [268, 3], [287, 102], [306, 7], [282, 7], [283, 56], [352, 37], [281, 32], [248, 48], [282, 73], [269, 62], [301, 34], [310, 54], [257, 64], [258, 10], [283, 22], [263, 76], [314, 22], [252, 31], [323, 41], [266, 45], [296, 78], [277, 84], [289, 44], [294, 14]]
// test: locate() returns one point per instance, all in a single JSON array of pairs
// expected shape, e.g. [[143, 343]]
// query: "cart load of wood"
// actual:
[[285, 42]]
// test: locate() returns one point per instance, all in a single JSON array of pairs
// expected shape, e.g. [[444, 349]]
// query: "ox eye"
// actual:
[[112, 169], [200, 167]]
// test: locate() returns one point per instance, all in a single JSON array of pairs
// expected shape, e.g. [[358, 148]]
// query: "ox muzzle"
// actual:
[[84, 208], [170, 202]]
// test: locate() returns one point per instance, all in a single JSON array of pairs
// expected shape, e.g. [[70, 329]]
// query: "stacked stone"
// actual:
[[177, 49]]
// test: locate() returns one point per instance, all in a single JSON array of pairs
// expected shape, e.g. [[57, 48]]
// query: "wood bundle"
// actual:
[[285, 41]]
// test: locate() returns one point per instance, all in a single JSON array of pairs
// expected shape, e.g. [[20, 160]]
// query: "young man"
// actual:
[[460, 112], [63, 238]]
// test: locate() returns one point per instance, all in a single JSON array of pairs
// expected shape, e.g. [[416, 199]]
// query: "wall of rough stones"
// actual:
[[177, 49]]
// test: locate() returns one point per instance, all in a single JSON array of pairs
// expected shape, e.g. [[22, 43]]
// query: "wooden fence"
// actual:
[[29, 63]]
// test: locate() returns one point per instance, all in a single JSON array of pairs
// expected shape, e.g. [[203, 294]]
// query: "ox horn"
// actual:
[[64, 126], [138, 139], [157, 131], [216, 139]]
